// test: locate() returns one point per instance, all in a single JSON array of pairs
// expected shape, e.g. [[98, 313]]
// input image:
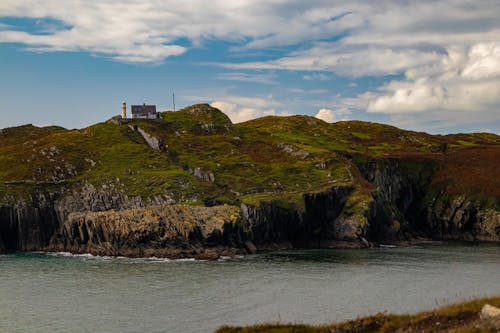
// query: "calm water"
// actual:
[[58, 293]]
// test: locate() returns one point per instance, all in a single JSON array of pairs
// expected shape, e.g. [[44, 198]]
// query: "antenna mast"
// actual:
[[173, 100]]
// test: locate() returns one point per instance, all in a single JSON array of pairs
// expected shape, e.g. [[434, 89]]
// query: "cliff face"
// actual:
[[104, 221], [462, 218], [28, 225], [407, 204], [296, 181], [324, 222], [172, 231]]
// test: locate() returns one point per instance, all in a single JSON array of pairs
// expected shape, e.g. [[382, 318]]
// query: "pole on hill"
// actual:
[[173, 100]]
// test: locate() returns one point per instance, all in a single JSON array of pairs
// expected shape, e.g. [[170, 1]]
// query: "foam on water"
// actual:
[[88, 256]]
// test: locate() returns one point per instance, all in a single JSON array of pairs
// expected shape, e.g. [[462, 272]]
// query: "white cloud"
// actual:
[[311, 91], [483, 61], [448, 50], [463, 88], [326, 115], [330, 116], [236, 114], [240, 108], [246, 77], [462, 81], [378, 38], [148, 31], [316, 77], [352, 62]]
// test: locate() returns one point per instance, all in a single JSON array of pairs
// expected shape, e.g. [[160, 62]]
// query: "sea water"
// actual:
[[61, 292]]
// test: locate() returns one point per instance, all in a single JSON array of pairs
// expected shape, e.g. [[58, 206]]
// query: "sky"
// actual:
[[430, 66]]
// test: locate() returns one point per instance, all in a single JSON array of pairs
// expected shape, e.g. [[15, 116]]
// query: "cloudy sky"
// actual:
[[423, 65]]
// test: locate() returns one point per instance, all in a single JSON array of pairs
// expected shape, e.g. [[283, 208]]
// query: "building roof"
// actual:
[[143, 109]]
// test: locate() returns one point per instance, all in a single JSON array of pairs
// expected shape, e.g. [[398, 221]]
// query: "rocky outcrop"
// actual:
[[103, 220], [173, 231], [295, 152], [271, 225], [89, 198], [28, 225], [322, 223], [324, 219], [208, 120], [462, 218], [489, 311], [406, 204], [152, 141], [2, 246], [203, 175]]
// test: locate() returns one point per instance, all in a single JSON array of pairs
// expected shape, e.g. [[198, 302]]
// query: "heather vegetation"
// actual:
[[206, 159]]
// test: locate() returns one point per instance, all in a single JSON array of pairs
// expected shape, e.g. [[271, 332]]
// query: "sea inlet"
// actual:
[[59, 292]]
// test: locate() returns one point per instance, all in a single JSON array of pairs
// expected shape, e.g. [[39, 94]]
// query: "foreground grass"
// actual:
[[457, 318]]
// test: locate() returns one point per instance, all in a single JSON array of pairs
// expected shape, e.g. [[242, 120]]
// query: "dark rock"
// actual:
[[2, 247], [250, 247]]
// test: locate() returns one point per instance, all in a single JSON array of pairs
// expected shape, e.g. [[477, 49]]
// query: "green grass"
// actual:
[[461, 317], [270, 158]]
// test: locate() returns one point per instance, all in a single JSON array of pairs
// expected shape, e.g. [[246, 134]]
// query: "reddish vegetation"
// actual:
[[262, 153], [472, 169]]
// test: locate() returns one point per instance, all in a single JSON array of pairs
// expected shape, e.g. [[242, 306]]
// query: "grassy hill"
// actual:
[[296, 181], [270, 157]]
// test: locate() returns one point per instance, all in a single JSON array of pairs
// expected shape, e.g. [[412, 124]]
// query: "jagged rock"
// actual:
[[401, 205], [489, 311], [206, 176], [321, 222], [152, 141], [294, 151], [462, 218], [327, 218], [250, 247], [270, 223], [2, 247], [129, 232], [28, 225]]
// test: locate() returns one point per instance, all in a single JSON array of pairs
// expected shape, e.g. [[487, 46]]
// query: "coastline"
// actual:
[[461, 317], [198, 253], [212, 253]]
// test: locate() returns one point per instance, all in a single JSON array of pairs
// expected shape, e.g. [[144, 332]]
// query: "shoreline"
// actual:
[[215, 253], [464, 317]]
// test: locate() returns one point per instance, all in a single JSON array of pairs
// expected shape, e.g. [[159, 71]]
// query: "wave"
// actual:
[[88, 257]]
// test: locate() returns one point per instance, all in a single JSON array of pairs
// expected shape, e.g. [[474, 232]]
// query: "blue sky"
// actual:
[[422, 65]]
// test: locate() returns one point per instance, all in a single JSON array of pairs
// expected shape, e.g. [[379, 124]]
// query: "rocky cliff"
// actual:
[[295, 181], [28, 225], [407, 204], [164, 231]]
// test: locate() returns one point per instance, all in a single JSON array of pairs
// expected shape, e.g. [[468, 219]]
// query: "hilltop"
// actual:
[[297, 181]]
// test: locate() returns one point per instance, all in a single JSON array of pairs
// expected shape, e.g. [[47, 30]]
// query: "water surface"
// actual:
[[62, 293]]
